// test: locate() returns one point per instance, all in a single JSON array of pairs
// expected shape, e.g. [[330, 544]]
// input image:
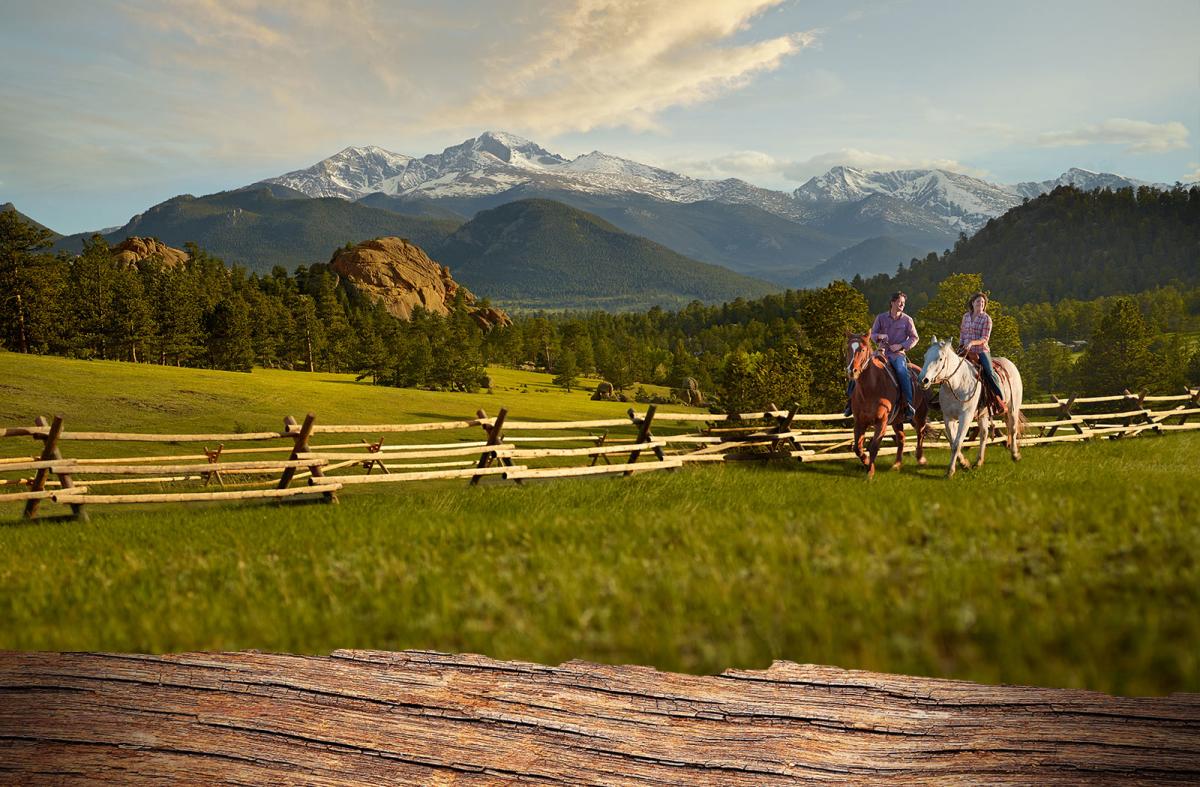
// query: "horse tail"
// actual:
[[1022, 424]]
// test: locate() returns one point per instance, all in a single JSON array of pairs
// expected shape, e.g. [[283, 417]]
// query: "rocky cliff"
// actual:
[[401, 276], [133, 250]]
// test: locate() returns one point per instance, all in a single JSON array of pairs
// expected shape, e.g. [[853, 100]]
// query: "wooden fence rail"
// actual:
[[511, 450]]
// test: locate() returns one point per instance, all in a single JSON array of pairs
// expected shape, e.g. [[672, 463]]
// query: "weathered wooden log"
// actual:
[[414, 717], [604, 423], [134, 437], [39, 464], [390, 428], [388, 449], [44, 494], [222, 467], [195, 497], [1094, 399], [536, 453]]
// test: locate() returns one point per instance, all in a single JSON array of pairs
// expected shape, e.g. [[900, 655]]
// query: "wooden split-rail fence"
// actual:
[[300, 465]]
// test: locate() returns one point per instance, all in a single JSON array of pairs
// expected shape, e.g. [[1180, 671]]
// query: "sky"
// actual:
[[112, 106]]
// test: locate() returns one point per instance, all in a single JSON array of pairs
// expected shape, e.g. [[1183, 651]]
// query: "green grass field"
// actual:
[[1079, 566]]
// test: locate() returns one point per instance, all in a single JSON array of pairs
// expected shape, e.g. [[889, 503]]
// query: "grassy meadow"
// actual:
[[1079, 566]]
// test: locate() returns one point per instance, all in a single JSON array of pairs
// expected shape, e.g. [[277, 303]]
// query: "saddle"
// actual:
[[988, 398], [913, 371]]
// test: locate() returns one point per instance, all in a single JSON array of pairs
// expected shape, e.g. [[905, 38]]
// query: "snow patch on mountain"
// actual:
[[495, 162]]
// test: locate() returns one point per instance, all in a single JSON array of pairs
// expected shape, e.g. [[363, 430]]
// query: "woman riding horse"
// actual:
[[973, 335]]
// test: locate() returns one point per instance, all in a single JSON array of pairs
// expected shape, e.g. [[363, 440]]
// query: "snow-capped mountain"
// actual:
[[964, 202], [496, 162], [1082, 179], [348, 174]]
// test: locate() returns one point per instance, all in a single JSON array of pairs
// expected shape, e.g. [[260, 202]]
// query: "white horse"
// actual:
[[960, 399]]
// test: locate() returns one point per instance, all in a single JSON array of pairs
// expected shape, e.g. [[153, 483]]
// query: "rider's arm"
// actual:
[[913, 338], [878, 334]]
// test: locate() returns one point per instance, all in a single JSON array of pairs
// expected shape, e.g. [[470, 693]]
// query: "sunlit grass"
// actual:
[[1076, 567]]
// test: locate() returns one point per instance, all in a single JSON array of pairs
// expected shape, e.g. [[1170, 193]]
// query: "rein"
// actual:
[[946, 379]]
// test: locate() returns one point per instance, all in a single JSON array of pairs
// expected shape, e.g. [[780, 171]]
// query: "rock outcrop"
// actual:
[[401, 276], [133, 250]]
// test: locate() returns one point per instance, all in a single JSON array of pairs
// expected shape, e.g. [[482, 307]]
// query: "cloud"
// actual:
[[608, 63], [1139, 136], [1194, 175], [751, 165]]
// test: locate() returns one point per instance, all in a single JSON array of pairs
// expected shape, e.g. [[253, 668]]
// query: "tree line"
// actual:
[[203, 313], [783, 348]]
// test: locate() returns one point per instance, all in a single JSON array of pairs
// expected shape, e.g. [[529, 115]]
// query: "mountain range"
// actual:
[[842, 223], [776, 235]]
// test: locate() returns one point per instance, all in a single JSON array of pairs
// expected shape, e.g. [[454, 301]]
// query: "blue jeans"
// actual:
[[900, 367], [989, 374]]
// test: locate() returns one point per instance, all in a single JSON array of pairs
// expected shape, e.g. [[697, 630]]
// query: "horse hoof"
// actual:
[[922, 461], [896, 467]]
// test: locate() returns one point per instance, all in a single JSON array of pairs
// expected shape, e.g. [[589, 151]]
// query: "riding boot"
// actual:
[[849, 411]]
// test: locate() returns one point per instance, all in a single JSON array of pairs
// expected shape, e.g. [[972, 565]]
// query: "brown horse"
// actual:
[[875, 401]]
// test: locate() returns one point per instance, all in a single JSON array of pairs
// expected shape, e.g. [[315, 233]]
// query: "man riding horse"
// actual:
[[895, 332]]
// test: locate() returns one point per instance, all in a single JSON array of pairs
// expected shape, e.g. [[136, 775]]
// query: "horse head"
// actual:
[[858, 353], [934, 369]]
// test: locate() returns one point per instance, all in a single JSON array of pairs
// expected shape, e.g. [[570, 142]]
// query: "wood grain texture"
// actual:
[[419, 717]]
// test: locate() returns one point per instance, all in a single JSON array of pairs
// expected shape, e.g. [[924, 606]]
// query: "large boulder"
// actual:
[[133, 250], [401, 276]]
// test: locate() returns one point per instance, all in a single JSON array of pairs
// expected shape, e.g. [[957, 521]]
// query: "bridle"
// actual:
[[860, 349], [942, 378]]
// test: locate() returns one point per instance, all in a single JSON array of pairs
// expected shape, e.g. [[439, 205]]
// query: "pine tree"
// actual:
[[1118, 354], [230, 337], [20, 266], [825, 316], [567, 371]]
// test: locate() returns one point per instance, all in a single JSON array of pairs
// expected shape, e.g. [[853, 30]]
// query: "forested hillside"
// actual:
[[1068, 244], [544, 253], [261, 228]]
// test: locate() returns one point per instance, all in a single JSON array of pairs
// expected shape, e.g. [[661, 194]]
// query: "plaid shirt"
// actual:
[[975, 326]]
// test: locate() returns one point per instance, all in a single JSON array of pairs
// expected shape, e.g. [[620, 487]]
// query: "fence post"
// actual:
[[644, 435], [494, 433], [599, 442], [51, 452], [1194, 403], [375, 448], [1064, 411], [783, 425], [1139, 401], [300, 447]]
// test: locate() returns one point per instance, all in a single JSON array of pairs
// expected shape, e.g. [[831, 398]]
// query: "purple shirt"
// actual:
[[887, 332]]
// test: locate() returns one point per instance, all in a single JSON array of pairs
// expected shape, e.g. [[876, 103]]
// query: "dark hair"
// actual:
[[897, 295], [971, 300]]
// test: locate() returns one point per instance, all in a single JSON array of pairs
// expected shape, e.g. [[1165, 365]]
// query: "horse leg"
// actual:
[[985, 432], [919, 426], [876, 439], [860, 435], [899, 447], [960, 434]]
